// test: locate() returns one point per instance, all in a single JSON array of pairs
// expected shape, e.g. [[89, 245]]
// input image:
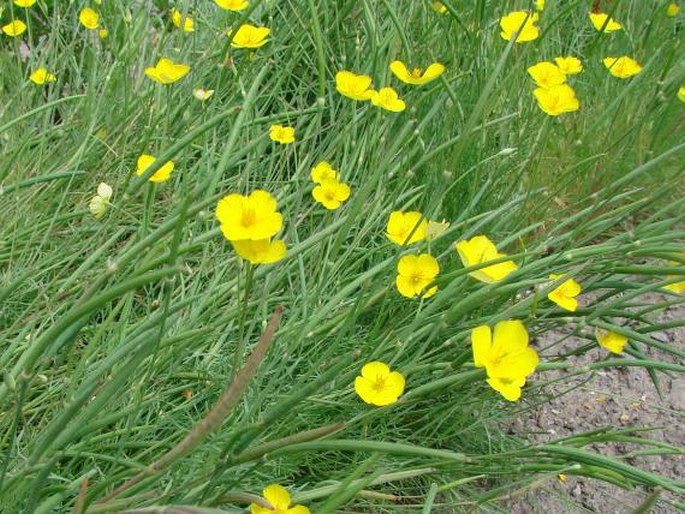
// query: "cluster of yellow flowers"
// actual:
[[553, 94], [329, 191]]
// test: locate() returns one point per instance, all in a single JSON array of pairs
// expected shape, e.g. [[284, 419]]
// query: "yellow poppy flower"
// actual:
[[24, 3], [521, 23], [675, 287], [672, 9], [249, 36], [98, 203], [281, 134], [388, 99], [415, 273], [546, 74], [331, 193], [565, 294], [89, 18], [479, 250], [202, 94], [569, 65], [353, 86], [377, 385], [279, 497], [435, 229], [161, 175], [622, 67], [166, 71], [416, 76], [260, 251], [405, 228], [324, 172], [103, 33], [14, 28], [556, 100], [180, 21], [612, 341], [41, 76], [439, 7], [539, 5], [232, 5], [249, 217], [681, 94], [598, 19]]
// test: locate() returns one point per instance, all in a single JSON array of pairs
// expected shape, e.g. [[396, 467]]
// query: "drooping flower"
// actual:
[[202, 94], [565, 294], [479, 250], [405, 228], [622, 67], [672, 9], [415, 273], [41, 76], [521, 24], [439, 7], [249, 36], [24, 3], [166, 71], [324, 172], [569, 65], [185, 23], [14, 28], [260, 251], [416, 76], [279, 497], [505, 355], [353, 86], [388, 99], [232, 5], [98, 203], [249, 217], [89, 18], [379, 386], [598, 19], [557, 100], [331, 193], [161, 175], [546, 74], [681, 94], [612, 341], [281, 134]]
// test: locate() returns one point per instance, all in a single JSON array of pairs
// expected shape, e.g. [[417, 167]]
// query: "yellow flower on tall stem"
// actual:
[[569, 65], [249, 217], [14, 28], [599, 19], [556, 100], [612, 341], [41, 76], [279, 498], [89, 18], [260, 251], [24, 3], [388, 99], [520, 24], [415, 273], [416, 76], [161, 175], [379, 386], [232, 5], [249, 36], [405, 228], [185, 23], [672, 10], [480, 250], [331, 193], [324, 172], [546, 74], [281, 134], [622, 67], [565, 294], [351, 85], [167, 71]]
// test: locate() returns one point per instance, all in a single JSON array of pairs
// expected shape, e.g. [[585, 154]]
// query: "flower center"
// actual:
[[248, 217], [379, 384], [416, 73], [330, 195]]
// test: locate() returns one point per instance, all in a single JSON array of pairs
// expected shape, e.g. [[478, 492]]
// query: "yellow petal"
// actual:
[[481, 342], [278, 496]]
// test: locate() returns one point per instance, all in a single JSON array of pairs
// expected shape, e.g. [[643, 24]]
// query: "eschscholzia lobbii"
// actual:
[[556, 100], [546, 74], [672, 10], [24, 3], [622, 67], [89, 18], [232, 5], [604, 22], [14, 28], [323, 171], [612, 341], [354, 86], [388, 99], [161, 175], [416, 76], [167, 71], [331, 193], [681, 94], [405, 228], [565, 294], [415, 273], [42, 76], [379, 386], [281, 134], [180, 21], [279, 498], [249, 36], [520, 24], [202, 94], [480, 250], [569, 65]]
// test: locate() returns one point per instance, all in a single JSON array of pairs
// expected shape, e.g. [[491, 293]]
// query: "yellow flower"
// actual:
[[331, 193], [232, 5], [405, 228], [672, 9], [675, 287], [260, 251], [546, 74], [562, 476], [439, 7], [161, 175], [166, 71], [24, 3], [89, 18], [387, 98], [565, 294], [557, 100], [279, 498], [539, 5], [249, 36], [622, 67], [202, 94], [324, 172], [41, 76], [377, 385], [416, 77], [612, 341], [14, 28], [569, 65], [98, 204], [353, 86], [103, 33], [681, 94], [281, 134], [187, 22], [598, 19], [505, 355], [414, 273], [520, 22], [479, 250], [435, 229], [249, 217]]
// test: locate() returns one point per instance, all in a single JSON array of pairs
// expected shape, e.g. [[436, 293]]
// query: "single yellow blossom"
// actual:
[[598, 19], [435, 229], [41, 76], [353, 86], [416, 76], [622, 67], [439, 7], [202, 94], [331, 193], [681, 94], [260, 251], [546, 74], [612, 341], [249, 217], [569, 65], [377, 385], [565, 294], [479, 250], [166, 71], [415, 273], [405, 228], [557, 100], [387, 98], [24, 3], [14, 28], [232, 5], [675, 287], [249, 36], [103, 33], [180, 21], [672, 9], [324, 172], [520, 23], [98, 203], [281, 134], [562, 477], [279, 497], [539, 5], [89, 18], [161, 175]]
